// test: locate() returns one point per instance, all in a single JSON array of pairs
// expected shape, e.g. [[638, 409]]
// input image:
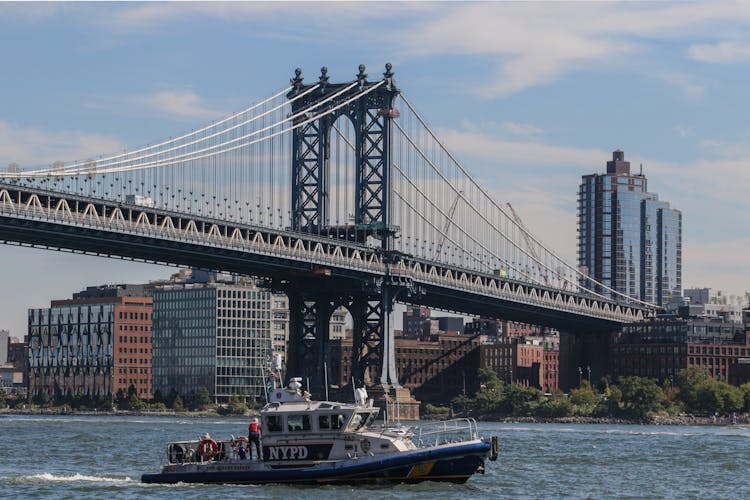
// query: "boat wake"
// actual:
[[68, 478]]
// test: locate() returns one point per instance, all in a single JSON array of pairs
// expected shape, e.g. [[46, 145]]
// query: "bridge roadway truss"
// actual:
[[318, 272]]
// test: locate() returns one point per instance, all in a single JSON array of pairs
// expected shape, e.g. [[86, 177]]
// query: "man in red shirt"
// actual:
[[253, 436]]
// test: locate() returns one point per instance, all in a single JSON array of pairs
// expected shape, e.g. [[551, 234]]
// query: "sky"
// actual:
[[529, 96]]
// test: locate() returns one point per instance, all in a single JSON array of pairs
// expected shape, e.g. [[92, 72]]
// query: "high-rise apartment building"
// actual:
[[213, 335], [628, 240]]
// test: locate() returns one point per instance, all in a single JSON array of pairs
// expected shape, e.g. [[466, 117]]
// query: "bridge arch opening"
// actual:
[[341, 173]]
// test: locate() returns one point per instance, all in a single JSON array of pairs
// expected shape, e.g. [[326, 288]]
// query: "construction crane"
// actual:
[[448, 222], [527, 238]]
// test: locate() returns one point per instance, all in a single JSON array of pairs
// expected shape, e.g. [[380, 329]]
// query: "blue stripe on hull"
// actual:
[[455, 463]]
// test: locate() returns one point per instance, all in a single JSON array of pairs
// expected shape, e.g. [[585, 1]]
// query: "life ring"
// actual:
[[176, 453], [207, 449]]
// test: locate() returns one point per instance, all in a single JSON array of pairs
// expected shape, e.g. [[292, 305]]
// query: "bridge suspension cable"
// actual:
[[486, 197]]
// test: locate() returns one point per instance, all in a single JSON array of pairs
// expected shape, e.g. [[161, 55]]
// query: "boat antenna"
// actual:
[[308, 384], [354, 390], [325, 377]]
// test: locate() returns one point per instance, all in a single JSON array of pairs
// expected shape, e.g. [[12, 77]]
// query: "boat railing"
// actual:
[[187, 452], [448, 431]]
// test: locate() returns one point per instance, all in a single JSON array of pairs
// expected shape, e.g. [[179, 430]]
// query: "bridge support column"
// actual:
[[584, 355], [388, 375], [308, 340]]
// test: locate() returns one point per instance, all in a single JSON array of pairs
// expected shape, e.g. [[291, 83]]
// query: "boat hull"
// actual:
[[454, 463]]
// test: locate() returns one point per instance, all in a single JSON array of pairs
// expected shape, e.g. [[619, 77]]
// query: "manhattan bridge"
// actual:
[[337, 194]]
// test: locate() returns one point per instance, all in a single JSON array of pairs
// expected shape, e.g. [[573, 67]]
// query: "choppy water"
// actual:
[[95, 457]]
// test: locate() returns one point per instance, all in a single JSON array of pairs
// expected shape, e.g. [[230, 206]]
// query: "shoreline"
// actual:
[[742, 420]]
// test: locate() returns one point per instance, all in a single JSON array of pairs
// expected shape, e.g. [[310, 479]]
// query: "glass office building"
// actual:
[[212, 335], [628, 239]]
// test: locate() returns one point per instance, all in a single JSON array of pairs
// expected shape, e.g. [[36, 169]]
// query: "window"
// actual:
[[273, 423], [296, 423], [360, 420]]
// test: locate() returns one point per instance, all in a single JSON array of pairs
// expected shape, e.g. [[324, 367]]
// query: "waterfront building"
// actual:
[[484, 326], [91, 346], [435, 369], [661, 347], [214, 335], [280, 325], [414, 320], [14, 374], [628, 239], [500, 328], [529, 361]]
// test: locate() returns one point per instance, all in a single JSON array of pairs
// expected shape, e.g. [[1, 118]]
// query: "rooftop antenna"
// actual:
[[641, 172]]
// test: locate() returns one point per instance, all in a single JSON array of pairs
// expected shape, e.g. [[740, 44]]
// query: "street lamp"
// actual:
[[580, 374], [588, 369]]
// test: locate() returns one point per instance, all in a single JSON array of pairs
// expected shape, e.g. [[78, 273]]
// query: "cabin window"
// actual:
[[298, 423], [335, 422], [360, 420], [273, 423]]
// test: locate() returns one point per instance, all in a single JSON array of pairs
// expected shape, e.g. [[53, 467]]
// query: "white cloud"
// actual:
[[723, 52], [180, 103], [36, 147], [533, 44], [684, 82], [471, 143]]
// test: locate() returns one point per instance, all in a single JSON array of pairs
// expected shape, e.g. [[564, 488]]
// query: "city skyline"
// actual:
[[529, 97]]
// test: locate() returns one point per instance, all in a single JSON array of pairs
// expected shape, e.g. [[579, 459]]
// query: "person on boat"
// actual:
[[253, 436], [207, 448]]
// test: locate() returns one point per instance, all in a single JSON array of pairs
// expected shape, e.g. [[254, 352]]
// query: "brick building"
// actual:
[[532, 361], [435, 370], [660, 348], [93, 346]]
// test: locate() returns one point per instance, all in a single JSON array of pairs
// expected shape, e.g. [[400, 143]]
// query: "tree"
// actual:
[[177, 404], [236, 405], [610, 401], [43, 399], [714, 396], [121, 399], [490, 394], [554, 408], [584, 397], [461, 404], [2, 398], [135, 403], [745, 388], [641, 395], [520, 400], [202, 398], [689, 381]]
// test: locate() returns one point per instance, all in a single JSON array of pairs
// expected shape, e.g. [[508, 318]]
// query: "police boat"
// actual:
[[324, 442]]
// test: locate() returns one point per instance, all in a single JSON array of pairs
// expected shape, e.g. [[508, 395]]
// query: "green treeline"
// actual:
[[200, 401], [693, 392]]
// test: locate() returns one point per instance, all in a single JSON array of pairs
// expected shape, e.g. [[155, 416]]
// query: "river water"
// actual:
[[95, 457]]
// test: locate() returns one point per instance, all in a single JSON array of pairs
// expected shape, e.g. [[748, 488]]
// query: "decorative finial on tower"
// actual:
[[362, 76], [388, 75], [324, 75], [297, 80]]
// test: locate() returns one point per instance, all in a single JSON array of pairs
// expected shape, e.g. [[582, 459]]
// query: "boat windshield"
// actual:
[[361, 420]]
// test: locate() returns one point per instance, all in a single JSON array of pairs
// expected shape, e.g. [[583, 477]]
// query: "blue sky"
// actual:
[[530, 96]]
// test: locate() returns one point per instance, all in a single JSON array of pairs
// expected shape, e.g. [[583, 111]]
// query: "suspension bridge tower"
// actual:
[[369, 107]]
